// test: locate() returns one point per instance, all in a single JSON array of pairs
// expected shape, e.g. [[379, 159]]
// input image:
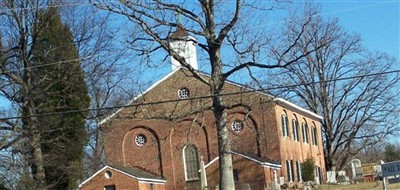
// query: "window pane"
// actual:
[[191, 163], [305, 132], [235, 175], [314, 136], [298, 168], [109, 187], [289, 168], [295, 130], [284, 126]]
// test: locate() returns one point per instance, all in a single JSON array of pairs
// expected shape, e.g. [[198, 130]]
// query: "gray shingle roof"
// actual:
[[137, 172]]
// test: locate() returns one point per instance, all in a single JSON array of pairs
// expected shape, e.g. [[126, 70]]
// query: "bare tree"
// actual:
[[110, 81], [231, 38], [20, 150], [353, 89]]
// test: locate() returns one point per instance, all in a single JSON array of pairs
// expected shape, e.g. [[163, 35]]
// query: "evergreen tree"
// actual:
[[392, 153], [59, 87], [307, 169]]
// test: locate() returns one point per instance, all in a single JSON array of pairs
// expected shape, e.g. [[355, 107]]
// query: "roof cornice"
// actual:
[[140, 179], [290, 105]]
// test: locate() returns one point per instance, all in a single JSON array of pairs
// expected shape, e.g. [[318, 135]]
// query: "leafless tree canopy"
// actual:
[[109, 82], [352, 88]]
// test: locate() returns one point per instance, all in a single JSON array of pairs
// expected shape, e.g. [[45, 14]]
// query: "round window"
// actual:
[[183, 93], [108, 174], [237, 126], [140, 140]]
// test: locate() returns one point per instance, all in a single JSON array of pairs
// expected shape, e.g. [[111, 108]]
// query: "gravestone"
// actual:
[[356, 169], [359, 175], [342, 178], [331, 177], [281, 180], [274, 186], [378, 170]]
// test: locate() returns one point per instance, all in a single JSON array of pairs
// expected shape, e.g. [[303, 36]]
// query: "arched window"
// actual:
[[298, 168], [190, 163], [318, 176], [284, 121], [314, 135], [305, 131], [289, 169], [295, 126]]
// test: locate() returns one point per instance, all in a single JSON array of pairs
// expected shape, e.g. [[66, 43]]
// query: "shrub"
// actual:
[[307, 169]]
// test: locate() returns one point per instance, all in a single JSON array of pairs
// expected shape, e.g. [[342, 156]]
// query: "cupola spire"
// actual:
[[185, 45]]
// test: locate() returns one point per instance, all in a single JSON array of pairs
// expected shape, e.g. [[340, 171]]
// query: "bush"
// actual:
[[307, 169]]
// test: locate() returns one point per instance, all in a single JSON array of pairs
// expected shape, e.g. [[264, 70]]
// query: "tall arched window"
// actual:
[[314, 135], [295, 126], [305, 131], [298, 169], [190, 163], [318, 175], [284, 120], [289, 169]]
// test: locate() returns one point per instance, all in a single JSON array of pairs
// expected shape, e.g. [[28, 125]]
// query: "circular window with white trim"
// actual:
[[140, 140], [108, 174], [237, 126], [183, 93]]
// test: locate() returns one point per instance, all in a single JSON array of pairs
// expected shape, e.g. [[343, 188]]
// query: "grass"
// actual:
[[377, 185]]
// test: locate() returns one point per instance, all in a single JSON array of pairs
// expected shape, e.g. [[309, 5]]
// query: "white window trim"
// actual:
[[184, 164], [290, 174], [305, 132], [318, 173], [299, 170], [284, 120], [295, 129], [314, 135]]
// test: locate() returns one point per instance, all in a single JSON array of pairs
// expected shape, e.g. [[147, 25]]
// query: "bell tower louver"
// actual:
[[185, 45]]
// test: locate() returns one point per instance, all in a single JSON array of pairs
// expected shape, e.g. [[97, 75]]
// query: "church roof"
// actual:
[[279, 101], [179, 34], [138, 173], [264, 162], [256, 158], [290, 105], [133, 172]]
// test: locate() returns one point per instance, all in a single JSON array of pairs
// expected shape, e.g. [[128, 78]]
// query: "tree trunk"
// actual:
[[30, 125], [37, 161], [224, 145], [36, 155], [98, 151]]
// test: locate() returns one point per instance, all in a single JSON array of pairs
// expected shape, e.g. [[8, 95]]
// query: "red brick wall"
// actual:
[[298, 150], [167, 133], [146, 186], [249, 173], [121, 182]]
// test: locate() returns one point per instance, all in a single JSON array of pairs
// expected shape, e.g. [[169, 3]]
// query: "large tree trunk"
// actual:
[[36, 158], [224, 145], [98, 151], [226, 180], [37, 161]]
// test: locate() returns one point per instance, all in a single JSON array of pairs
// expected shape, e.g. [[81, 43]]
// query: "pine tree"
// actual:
[[392, 153], [307, 169], [59, 87]]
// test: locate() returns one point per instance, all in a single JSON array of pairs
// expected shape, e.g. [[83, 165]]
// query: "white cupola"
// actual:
[[185, 45]]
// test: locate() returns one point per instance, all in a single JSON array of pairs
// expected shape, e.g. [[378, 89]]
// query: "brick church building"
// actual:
[[166, 135]]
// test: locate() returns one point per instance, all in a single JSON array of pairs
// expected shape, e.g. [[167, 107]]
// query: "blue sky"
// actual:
[[378, 22]]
